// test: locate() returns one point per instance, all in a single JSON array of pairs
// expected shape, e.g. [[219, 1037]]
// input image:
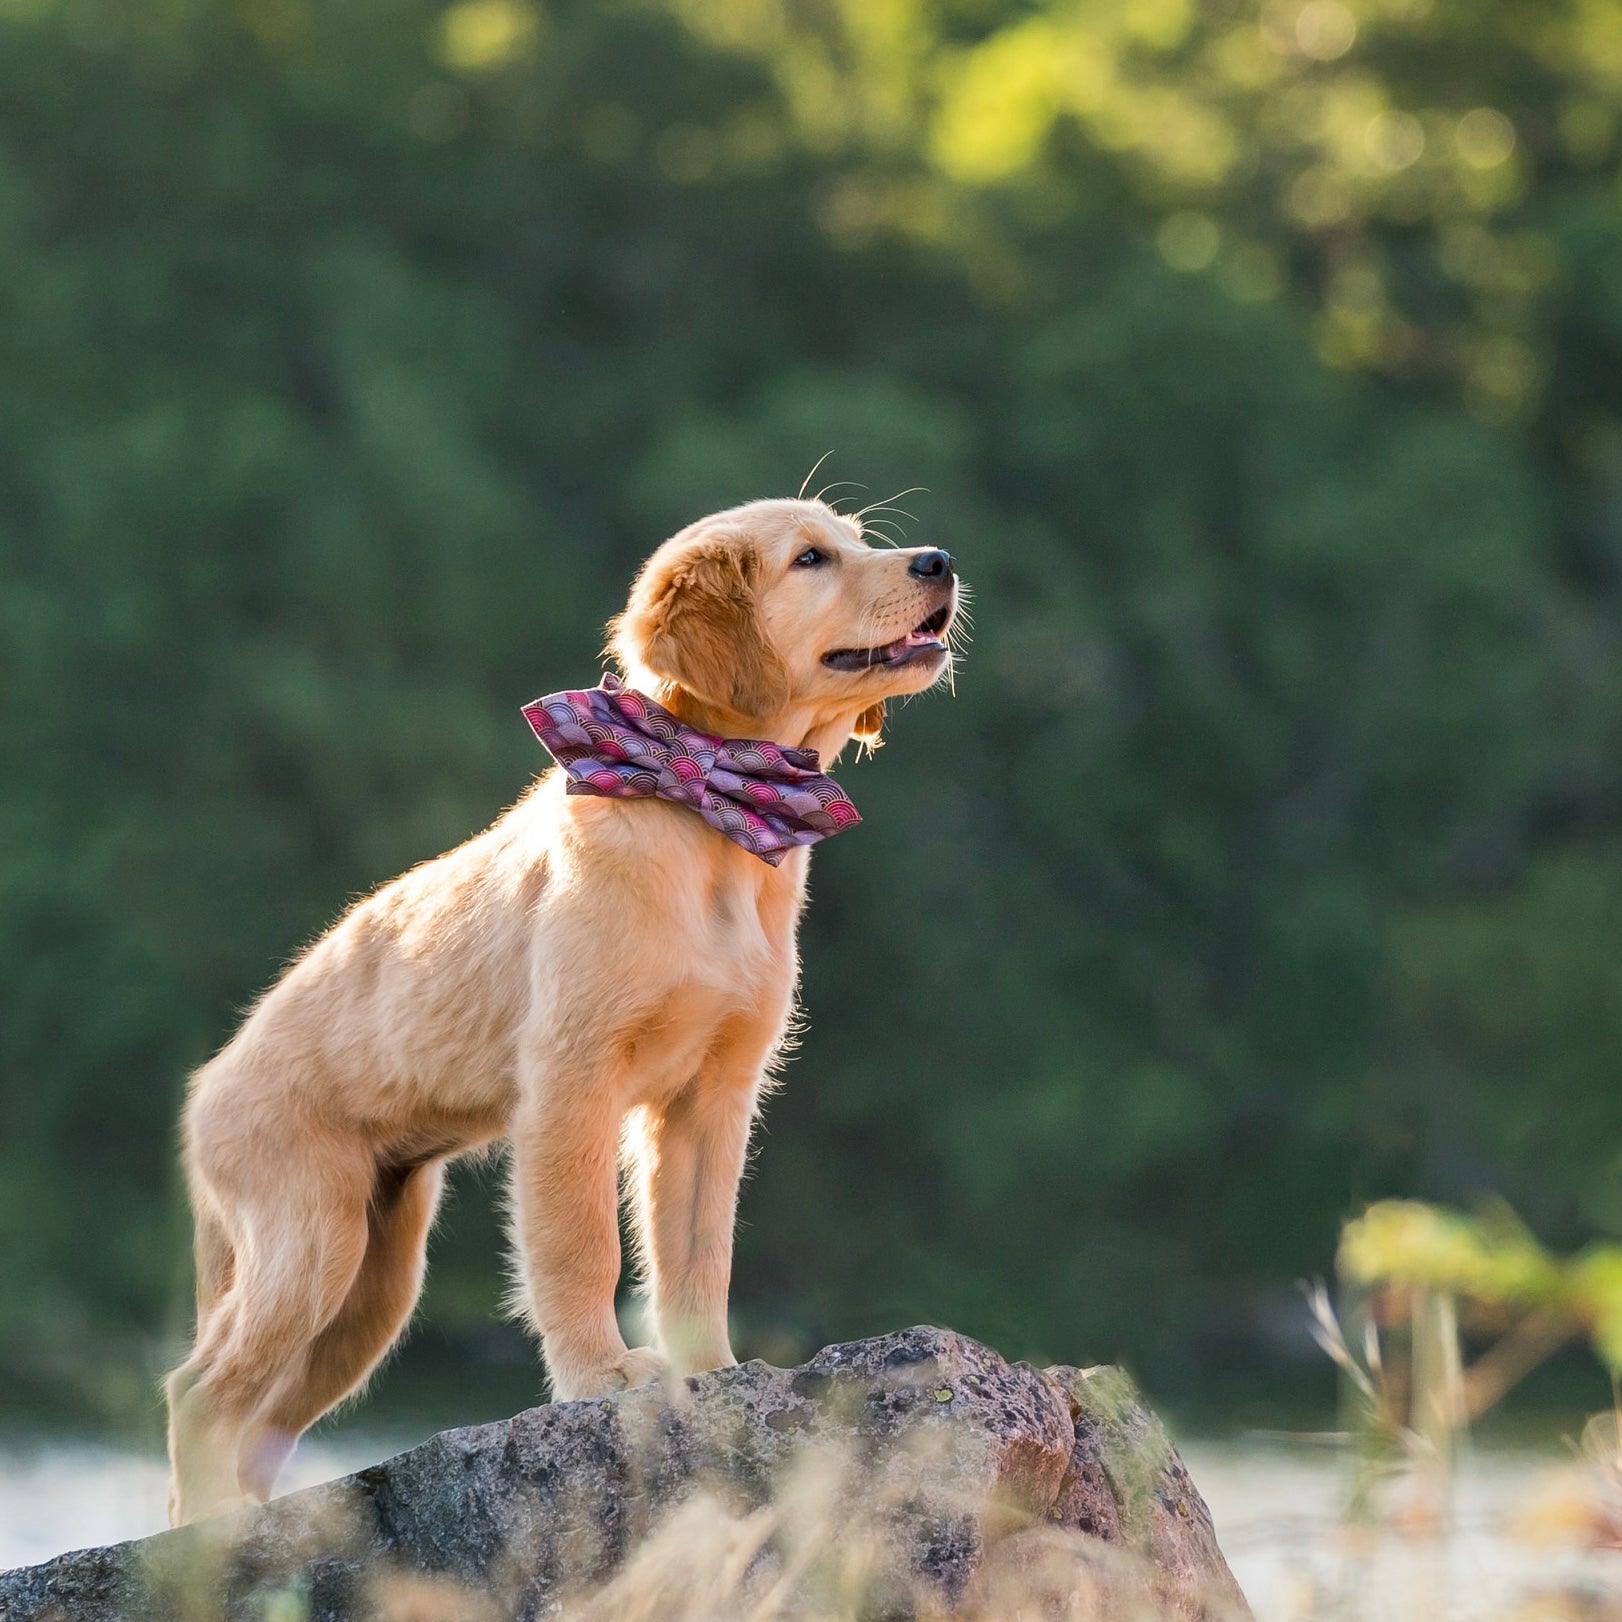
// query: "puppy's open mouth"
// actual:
[[922, 642]]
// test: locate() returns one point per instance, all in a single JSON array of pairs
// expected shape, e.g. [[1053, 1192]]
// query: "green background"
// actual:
[[1262, 367]]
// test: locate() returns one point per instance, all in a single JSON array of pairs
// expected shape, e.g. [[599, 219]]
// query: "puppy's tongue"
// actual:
[[889, 654], [914, 639]]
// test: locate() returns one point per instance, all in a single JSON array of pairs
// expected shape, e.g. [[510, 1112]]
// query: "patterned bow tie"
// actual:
[[618, 743]]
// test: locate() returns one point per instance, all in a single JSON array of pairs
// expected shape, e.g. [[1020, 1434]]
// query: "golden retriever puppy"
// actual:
[[584, 961]]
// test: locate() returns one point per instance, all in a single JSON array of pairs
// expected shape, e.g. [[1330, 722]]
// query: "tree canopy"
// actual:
[[1261, 365]]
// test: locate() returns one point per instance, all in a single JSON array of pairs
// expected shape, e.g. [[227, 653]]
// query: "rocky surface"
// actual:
[[916, 1474]]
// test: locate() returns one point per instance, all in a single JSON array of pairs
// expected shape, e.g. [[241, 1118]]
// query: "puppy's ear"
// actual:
[[694, 619], [869, 728]]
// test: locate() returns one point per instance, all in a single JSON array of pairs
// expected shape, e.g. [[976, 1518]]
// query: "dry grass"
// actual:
[[1401, 1551]]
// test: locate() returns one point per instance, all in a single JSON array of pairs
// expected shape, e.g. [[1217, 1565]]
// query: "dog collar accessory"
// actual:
[[616, 742]]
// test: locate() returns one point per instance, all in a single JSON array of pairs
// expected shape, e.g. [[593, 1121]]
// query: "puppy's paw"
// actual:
[[638, 1366], [183, 1513], [641, 1365]]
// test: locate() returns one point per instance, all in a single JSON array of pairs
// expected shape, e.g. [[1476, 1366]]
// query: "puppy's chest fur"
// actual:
[[709, 965]]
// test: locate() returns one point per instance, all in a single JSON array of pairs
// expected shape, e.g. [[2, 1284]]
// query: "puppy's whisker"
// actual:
[[874, 524], [886, 507], [867, 628], [812, 474], [880, 506], [835, 485]]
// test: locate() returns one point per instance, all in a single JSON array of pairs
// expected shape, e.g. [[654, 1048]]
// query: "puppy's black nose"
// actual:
[[931, 565]]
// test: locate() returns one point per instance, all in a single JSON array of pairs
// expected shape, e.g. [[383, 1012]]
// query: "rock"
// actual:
[[916, 1474]]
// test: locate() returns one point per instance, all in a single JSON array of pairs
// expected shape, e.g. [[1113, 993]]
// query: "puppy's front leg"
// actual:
[[691, 1163], [566, 1228]]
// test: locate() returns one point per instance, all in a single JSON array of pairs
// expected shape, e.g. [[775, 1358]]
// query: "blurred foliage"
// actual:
[[1491, 1261], [1263, 364], [1491, 1257]]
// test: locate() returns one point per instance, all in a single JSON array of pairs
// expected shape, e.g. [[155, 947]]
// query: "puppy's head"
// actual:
[[780, 612]]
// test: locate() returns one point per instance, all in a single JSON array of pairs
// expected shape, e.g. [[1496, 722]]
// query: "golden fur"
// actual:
[[581, 962]]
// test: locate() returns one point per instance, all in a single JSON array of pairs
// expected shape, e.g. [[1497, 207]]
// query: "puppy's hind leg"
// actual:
[[299, 1235], [214, 1261], [345, 1353]]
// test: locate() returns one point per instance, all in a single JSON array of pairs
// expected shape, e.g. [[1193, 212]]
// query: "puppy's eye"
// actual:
[[810, 558]]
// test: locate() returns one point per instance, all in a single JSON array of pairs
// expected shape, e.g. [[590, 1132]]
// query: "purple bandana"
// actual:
[[618, 743]]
